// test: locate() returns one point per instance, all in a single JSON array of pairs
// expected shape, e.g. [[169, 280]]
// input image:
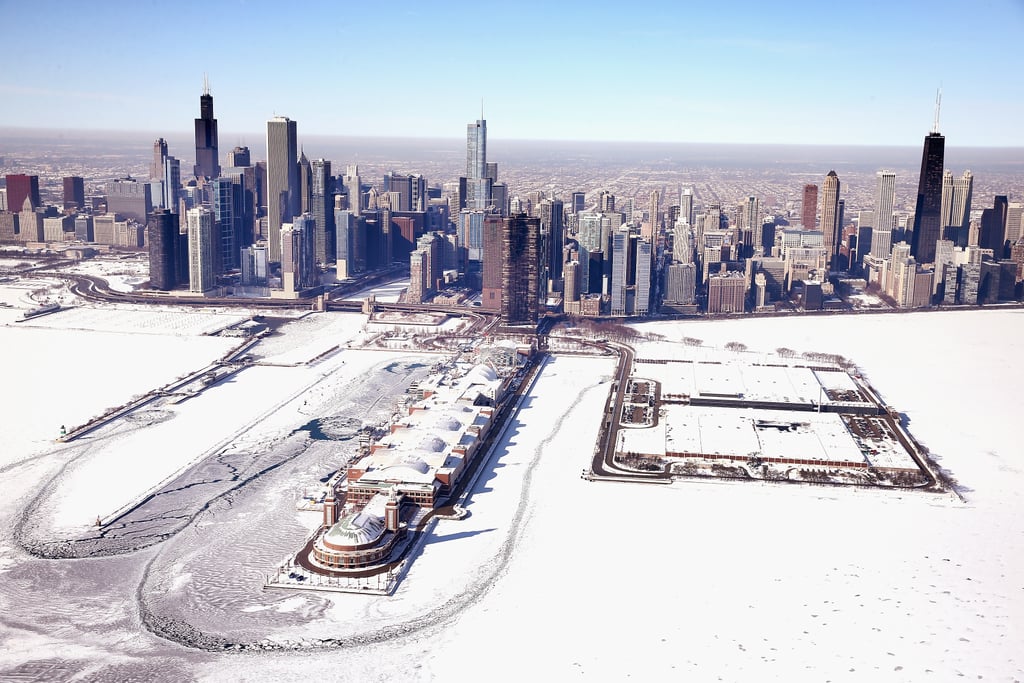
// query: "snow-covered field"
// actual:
[[552, 577]]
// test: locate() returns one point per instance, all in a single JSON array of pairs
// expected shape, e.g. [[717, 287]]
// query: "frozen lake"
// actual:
[[551, 576]]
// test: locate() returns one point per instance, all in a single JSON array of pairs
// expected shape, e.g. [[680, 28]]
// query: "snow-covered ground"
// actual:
[[552, 576]]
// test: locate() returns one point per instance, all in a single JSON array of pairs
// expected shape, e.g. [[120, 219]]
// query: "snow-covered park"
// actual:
[[550, 576]]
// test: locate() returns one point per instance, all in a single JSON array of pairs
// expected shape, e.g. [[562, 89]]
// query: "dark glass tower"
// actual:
[[928, 213], [163, 237], [206, 137], [520, 270]]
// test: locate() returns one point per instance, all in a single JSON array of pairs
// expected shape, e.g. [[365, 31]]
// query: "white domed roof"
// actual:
[[432, 444], [355, 529]]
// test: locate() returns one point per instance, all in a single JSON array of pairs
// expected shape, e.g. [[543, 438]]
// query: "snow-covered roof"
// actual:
[[355, 529]]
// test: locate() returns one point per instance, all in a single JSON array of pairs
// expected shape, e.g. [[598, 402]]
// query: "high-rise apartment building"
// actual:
[[163, 236], [353, 189], [478, 184], [227, 221], [322, 208], [686, 205], [283, 199], [520, 269], [831, 218], [207, 159], [809, 207], [172, 184], [298, 268], [200, 249], [552, 230], [928, 211]]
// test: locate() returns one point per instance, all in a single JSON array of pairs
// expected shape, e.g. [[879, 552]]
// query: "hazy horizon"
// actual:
[[355, 148]]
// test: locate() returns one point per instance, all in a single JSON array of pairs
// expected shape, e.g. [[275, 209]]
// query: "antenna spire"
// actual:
[[206, 84], [938, 107], [481, 109]]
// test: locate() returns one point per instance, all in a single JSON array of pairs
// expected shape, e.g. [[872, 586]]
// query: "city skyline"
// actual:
[[777, 54]]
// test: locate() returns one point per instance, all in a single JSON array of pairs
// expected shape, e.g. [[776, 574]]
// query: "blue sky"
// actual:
[[860, 72]]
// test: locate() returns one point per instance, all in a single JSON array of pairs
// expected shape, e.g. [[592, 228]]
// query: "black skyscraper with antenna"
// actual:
[[206, 136], [928, 213]]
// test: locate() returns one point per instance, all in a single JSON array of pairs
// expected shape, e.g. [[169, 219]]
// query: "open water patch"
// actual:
[[331, 428]]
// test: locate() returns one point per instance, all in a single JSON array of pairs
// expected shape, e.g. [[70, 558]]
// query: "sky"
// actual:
[[860, 73]]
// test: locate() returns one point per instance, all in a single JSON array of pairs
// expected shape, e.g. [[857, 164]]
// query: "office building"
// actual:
[[809, 207], [885, 199], [831, 218], [927, 228], [129, 198], [956, 206], [207, 158], [992, 234], [20, 188], [283, 200], [74, 194], [156, 168], [239, 157]]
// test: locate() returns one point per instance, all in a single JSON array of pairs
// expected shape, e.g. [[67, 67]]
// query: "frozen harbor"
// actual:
[[550, 575]]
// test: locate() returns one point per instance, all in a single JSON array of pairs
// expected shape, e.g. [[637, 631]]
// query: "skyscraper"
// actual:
[[831, 218], [282, 179], [322, 208], [686, 206], [520, 269], [478, 185], [476, 149], [239, 157], [163, 237], [809, 207], [227, 221], [956, 206], [928, 211], [353, 189], [74, 193], [992, 234], [156, 169], [20, 187], [207, 159], [885, 199], [200, 249]]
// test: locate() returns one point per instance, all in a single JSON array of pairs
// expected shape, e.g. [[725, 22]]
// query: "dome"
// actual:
[[355, 529], [410, 462], [448, 423], [432, 444]]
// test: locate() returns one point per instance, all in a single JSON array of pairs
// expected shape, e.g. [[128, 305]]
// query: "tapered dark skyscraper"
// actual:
[[206, 137], [928, 213]]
